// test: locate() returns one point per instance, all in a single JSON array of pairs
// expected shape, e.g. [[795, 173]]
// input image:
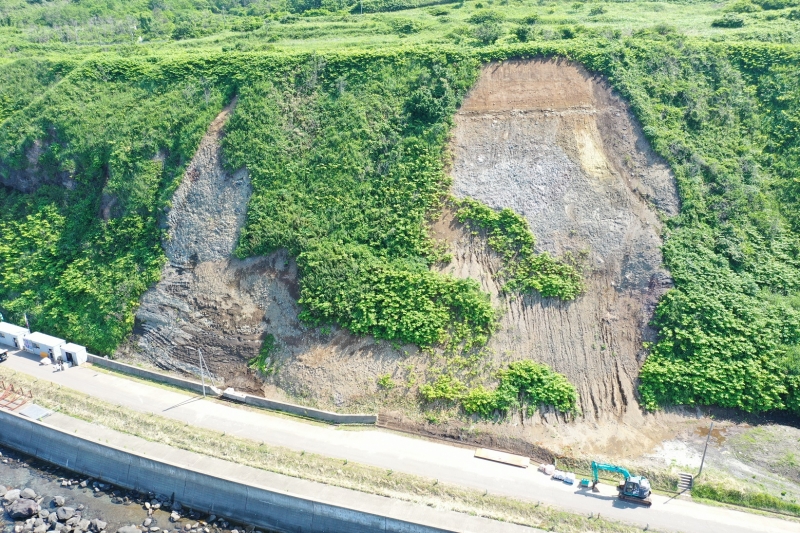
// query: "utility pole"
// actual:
[[202, 375], [703, 460]]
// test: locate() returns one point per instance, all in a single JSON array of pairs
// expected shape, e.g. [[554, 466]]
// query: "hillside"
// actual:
[[461, 215]]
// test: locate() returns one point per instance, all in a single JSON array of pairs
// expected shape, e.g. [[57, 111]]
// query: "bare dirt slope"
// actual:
[[224, 306], [553, 143]]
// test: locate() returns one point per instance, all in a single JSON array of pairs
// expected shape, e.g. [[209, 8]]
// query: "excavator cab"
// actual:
[[636, 487]]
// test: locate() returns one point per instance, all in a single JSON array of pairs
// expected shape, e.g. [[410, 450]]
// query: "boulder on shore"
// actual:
[[65, 513], [23, 509]]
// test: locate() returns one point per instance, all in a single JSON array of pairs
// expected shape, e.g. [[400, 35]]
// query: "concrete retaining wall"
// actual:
[[308, 412], [155, 376], [327, 416], [210, 494]]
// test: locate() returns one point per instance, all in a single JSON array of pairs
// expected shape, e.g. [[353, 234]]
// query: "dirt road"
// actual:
[[402, 453]]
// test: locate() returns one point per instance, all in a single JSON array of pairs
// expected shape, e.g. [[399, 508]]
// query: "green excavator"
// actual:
[[634, 489]]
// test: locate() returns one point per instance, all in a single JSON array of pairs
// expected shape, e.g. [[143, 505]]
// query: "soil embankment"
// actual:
[[554, 143]]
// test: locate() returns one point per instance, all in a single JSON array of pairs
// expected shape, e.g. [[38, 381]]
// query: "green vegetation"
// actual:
[[263, 361], [755, 500], [343, 120], [510, 236], [346, 163], [524, 385], [386, 382], [107, 145]]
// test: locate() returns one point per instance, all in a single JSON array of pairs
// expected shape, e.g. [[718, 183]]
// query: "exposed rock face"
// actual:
[[557, 146], [224, 306]]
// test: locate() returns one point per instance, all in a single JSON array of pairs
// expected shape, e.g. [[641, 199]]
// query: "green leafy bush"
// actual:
[[525, 385], [445, 388], [510, 236], [488, 32], [479, 401], [743, 6], [405, 26], [386, 382], [524, 32], [486, 15], [263, 361], [728, 21]]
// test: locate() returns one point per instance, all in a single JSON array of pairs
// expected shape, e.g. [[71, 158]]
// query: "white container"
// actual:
[[549, 469], [13, 336], [43, 345], [75, 354], [569, 478]]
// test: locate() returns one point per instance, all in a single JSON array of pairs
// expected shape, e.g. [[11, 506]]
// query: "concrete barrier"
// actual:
[[152, 375], [203, 492], [308, 412], [257, 401]]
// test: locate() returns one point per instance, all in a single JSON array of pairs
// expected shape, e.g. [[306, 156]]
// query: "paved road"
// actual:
[[402, 453]]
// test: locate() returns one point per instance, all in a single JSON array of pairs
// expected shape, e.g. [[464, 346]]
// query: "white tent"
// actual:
[[73, 353], [43, 345], [12, 335]]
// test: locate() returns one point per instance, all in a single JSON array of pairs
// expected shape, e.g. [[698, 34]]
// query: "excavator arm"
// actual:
[[596, 467]]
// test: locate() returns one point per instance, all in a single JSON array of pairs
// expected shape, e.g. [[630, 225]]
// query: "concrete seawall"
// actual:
[[211, 494]]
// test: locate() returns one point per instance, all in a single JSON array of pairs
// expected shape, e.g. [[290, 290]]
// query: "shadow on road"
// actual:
[[617, 503], [185, 402]]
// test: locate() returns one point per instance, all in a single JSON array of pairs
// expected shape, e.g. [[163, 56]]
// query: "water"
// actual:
[[118, 507]]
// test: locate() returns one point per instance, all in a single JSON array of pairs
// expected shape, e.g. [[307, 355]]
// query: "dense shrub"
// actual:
[[756, 500], [510, 236], [523, 385], [728, 21], [743, 6], [524, 32], [484, 16], [488, 32], [777, 4], [379, 6]]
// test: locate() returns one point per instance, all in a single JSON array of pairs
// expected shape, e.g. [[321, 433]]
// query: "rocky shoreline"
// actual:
[[41, 498]]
